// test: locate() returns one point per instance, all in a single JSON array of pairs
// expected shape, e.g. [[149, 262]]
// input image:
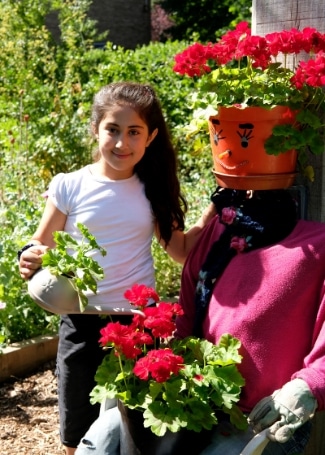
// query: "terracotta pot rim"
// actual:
[[257, 112], [269, 107], [257, 176], [255, 182]]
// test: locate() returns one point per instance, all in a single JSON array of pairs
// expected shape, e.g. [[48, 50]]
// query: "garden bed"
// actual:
[[21, 358]]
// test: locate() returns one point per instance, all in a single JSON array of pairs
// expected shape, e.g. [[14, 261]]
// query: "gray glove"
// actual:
[[284, 411]]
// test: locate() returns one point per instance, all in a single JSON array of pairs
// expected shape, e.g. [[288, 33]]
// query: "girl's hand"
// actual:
[[31, 260]]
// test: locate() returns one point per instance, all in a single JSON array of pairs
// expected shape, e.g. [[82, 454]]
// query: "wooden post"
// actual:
[[276, 15]]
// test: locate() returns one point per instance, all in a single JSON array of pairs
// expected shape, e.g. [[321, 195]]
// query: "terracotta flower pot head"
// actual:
[[246, 70], [237, 138]]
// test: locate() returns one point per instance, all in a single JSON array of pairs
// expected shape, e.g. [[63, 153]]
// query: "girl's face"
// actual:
[[122, 140]]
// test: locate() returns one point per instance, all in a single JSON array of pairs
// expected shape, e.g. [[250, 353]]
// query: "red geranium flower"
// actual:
[[160, 364], [310, 73], [113, 333], [139, 295], [160, 319], [125, 339]]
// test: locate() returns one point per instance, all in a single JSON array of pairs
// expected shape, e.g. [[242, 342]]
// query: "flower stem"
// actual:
[[122, 371]]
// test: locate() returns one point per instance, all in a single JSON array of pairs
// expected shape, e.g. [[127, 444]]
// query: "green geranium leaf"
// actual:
[[161, 418], [237, 418], [228, 348]]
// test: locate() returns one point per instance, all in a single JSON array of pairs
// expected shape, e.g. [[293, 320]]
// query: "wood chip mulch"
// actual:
[[29, 422]]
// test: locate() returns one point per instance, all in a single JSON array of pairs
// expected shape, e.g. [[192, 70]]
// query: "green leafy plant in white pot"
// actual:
[[68, 273]]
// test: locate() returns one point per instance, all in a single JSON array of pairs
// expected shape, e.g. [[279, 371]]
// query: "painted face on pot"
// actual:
[[232, 142], [237, 138]]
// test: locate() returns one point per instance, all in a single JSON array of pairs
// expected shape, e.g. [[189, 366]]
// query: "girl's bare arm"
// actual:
[[31, 259], [181, 242]]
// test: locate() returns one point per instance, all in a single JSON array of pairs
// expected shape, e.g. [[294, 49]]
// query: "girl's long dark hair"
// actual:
[[158, 167]]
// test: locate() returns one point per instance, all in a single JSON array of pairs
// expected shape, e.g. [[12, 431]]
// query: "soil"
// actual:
[[29, 422]]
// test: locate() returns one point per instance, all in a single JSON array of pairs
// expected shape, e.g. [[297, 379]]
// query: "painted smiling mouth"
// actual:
[[230, 168]]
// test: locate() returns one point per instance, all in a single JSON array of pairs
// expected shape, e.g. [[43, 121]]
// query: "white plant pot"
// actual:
[[56, 294], [53, 293]]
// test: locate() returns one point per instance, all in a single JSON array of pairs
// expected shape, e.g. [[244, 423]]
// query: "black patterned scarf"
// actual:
[[252, 220]]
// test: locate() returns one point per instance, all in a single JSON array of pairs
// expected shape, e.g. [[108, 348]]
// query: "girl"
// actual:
[[127, 194]]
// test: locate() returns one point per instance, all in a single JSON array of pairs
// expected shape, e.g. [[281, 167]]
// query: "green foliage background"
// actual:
[[46, 91]]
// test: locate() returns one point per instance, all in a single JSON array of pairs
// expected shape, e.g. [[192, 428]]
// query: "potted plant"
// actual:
[[68, 272], [242, 74], [173, 387]]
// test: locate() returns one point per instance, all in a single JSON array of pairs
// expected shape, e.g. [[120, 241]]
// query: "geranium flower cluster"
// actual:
[[148, 325], [160, 364], [261, 51], [172, 382], [311, 73]]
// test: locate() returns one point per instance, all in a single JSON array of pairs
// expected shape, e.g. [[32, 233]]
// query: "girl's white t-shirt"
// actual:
[[119, 215]]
